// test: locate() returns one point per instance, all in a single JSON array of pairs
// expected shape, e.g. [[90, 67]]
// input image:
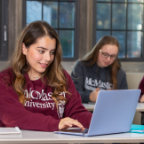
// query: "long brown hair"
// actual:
[[92, 57], [54, 73]]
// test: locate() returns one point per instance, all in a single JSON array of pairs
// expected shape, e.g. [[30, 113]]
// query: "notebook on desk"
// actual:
[[113, 112]]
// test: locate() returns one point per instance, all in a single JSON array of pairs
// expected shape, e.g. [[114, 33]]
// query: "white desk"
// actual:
[[36, 137], [140, 107], [90, 107]]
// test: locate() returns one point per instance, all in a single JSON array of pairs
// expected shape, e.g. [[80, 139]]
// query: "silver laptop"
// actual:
[[113, 112]]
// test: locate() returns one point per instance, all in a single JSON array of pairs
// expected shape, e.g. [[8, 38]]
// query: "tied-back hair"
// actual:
[[54, 73], [92, 57]]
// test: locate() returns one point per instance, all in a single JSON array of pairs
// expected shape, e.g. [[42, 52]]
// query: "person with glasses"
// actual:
[[99, 69]]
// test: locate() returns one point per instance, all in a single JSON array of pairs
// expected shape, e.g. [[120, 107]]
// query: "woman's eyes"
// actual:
[[52, 52], [43, 51]]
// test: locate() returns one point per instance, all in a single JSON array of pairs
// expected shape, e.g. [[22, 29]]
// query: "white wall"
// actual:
[[3, 65]]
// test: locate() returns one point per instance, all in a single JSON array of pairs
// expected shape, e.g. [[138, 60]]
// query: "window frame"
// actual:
[[139, 59], [76, 31], [4, 30]]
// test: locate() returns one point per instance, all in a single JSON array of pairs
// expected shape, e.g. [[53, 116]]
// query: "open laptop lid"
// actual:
[[113, 112]]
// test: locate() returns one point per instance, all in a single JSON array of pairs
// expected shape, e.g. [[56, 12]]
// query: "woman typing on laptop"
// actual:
[[99, 69], [36, 93]]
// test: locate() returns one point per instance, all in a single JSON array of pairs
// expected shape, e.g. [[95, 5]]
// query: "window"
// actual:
[[60, 14], [3, 30], [124, 20]]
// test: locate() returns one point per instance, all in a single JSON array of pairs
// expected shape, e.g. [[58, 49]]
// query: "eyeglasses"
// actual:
[[106, 55]]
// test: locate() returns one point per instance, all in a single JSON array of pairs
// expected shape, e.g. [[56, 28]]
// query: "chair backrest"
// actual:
[[133, 79]]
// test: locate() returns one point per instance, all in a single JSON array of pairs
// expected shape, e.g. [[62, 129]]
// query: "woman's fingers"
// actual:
[[69, 122]]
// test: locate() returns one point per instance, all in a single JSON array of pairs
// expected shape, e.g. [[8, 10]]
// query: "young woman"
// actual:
[[36, 93], [99, 69]]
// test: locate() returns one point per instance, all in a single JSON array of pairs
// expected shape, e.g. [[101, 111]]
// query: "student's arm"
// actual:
[[13, 113], [94, 94], [74, 107], [78, 77], [141, 87], [142, 98]]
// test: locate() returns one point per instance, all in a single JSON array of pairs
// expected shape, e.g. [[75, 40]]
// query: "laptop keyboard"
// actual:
[[76, 130]]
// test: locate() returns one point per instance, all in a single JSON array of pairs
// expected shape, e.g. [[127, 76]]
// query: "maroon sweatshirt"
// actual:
[[141, 87], [39, 111]]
